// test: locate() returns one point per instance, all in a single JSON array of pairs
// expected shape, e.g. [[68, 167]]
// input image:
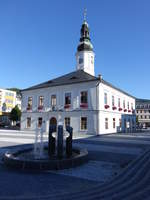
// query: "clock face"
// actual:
[[80, 60]]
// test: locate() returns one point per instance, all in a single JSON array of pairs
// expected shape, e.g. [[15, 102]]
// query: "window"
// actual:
[[67, 98], [92, 60], [120, 122], [124, 105], [67, 121], [132, 106], [105, 98], [83, 123], [128, 105], [41, 101], [39, 122], [84, 97], [80, 60], [28, 122], [53, 100], [114, 123], [119, 102], [29, 103], [106, 123], [113, 101]]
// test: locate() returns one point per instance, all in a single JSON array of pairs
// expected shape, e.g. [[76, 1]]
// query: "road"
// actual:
[[107, 155]]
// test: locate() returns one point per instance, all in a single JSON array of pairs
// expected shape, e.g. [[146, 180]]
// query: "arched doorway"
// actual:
[[53, 121]]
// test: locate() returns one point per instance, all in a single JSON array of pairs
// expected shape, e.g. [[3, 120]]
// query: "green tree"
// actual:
[[15, 114]]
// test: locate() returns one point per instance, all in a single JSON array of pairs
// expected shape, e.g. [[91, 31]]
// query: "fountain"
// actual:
[[58, 154]]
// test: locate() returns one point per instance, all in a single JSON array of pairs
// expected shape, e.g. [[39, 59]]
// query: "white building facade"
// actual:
[[80, 99]]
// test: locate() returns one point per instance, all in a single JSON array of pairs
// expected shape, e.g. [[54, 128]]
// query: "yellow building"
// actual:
[[7, 100]]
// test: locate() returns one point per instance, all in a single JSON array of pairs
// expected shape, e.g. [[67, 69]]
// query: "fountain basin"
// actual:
[[21, 159]]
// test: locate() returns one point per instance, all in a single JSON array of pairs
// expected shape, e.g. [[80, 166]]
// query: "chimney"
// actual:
[[100, 77]]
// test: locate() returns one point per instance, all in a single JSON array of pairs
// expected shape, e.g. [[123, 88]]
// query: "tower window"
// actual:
[[92, 60], [80, 60]]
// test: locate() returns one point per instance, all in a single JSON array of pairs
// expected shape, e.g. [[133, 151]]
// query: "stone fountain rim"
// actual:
[[11, 160]]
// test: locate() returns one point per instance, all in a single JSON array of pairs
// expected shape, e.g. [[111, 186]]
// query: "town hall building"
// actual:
[[80, 99]]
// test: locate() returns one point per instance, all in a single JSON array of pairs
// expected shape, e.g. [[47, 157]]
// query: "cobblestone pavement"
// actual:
[[108, 155]]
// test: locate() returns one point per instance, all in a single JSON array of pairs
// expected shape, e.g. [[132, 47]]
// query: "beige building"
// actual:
[[143, 112]]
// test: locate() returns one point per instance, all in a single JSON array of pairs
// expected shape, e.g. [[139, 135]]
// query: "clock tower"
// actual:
[[85, 55]]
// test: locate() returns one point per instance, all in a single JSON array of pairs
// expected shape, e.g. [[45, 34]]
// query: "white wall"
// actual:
[[110, 113], [96, 112], [75, 112], [88, 61]]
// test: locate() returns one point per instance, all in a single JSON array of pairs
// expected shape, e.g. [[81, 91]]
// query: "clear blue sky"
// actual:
[[38, 41]]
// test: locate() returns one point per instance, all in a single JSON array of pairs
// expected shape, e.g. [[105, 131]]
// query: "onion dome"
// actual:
[[85, 41]]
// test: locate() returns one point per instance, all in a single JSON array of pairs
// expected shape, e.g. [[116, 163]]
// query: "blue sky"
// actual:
[[38, 41]]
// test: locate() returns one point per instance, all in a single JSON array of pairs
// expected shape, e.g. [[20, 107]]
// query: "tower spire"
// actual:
[[85, 54], [85, 14]]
